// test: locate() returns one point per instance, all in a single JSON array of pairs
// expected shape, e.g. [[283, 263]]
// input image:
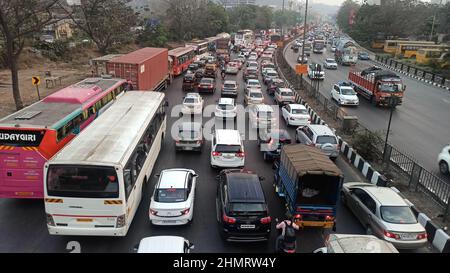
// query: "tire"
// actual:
[[443, 167], [343, 199], [287, 122]]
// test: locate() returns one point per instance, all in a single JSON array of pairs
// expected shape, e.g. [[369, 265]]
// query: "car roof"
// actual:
[[226, 101], [173, 178], [297, 106], [330, 59], [244, 187], [321, 129], [162, 244], [284, 89], [252, 80], [209, 79], [263, 107], [386, 196], [230, 82], [279, 133], [351, 243], [196, 95], [227, 136], [190, 125]]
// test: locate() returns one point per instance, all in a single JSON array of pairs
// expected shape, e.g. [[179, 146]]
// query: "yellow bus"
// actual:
[[425, 55], [410, 50], [390, 46]]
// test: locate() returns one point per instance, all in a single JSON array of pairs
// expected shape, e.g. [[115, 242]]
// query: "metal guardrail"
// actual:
[[419, 178], [414, 70]]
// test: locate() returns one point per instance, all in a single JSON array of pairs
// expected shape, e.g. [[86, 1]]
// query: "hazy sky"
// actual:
[[337, 2]]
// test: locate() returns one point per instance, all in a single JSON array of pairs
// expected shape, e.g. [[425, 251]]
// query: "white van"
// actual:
[[164, 244], [227, 149]]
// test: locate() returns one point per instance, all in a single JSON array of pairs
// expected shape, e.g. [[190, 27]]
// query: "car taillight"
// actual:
[[50, 221], [266, 220], [121, 221], [329, 218], [216, 154], [199, 141], [421, 236], [298, 217], [153, 212], [229, 220], [391, 235], [185, 211], [240, 154]]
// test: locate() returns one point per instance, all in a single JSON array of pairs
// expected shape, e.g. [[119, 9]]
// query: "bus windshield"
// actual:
[[82, 181]]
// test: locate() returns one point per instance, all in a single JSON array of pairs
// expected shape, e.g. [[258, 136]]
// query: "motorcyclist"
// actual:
[[222, 73], [284, 226]]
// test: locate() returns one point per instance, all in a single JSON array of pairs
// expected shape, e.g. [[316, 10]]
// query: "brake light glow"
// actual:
[[240, 154], [422, 236], [391, 235], [266, 220], [329, 218], [216, 154], [229, 220]]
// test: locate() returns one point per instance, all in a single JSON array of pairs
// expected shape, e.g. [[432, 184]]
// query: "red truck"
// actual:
[[146, 68], [378, 85]]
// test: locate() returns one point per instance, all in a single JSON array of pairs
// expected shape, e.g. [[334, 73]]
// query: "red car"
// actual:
[[207, 85]]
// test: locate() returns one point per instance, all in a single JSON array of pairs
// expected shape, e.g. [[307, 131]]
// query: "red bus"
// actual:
[[31, 136], [182, 57]]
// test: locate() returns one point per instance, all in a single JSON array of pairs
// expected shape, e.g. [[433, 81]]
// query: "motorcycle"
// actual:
[[288, 243]]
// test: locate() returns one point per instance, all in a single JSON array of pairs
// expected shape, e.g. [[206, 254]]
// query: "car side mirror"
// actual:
[[191, 245], [157, 175], [195, 175], [136, 247], [217, 177], [404, 87], [166, 104]]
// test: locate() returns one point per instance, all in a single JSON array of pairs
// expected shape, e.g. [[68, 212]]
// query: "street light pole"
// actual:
[[393, 101], [434, 20], [304, 39]]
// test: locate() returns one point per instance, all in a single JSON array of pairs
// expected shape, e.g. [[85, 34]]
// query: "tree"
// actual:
[[343, 15], [154, 36], [18, 21], [106, 22]]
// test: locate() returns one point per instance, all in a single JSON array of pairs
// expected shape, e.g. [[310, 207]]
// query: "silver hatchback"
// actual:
[[385, 214], [320, 136]]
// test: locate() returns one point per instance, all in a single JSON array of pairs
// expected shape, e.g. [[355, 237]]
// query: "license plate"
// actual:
[[188, 148], [169, 221], [247, 226], [84, 220], [408, 236]]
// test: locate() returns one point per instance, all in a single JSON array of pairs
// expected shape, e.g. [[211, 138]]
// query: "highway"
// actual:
[[23, 225], [420, 126]]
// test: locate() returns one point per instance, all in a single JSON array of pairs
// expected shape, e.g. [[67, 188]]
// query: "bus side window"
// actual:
[[127, 180]]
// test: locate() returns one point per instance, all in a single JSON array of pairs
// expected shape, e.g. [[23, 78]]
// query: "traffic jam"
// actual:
[[106, 153]]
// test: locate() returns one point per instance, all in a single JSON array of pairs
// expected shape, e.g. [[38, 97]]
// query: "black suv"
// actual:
[[241, 208]]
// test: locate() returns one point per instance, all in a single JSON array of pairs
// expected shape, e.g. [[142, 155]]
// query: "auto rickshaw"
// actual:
[[210, 70]]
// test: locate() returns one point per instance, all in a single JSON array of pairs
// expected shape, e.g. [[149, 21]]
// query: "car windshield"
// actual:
[[348, 91], [390, 87], [229, 85], [256, 95], [272, 73], [247, 207], [228, 148], [190, 100], [299, 111], [397, 215], [206, 81], [253, 64], [326, 139], [170, 195], [287, 93], [226, 106], [188, 134]]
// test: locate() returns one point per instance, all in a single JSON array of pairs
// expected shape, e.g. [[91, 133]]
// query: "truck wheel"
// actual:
[[443, 167]]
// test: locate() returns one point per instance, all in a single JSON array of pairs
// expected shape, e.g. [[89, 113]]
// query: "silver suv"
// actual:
[[320, 136]]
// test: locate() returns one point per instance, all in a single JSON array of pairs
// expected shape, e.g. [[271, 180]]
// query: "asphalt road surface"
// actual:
[[23, 227], [420, 126]]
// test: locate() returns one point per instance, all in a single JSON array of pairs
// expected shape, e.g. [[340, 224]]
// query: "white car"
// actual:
[[227, 149], [330, 63], [252, 84], [242, 55], [232, 68], [253, 96], [296, 115], [262, 116], [164, 244], [284, 96], [253, 57], [344, 94], [192, 104], [316, 72], [226, 108], [444, 160], [172, 202]]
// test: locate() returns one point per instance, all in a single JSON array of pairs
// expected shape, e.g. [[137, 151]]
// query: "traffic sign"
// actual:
[[36, 80], [301, 69]]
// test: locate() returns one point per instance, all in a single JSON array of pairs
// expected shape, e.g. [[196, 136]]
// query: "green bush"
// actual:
[[366, 144]]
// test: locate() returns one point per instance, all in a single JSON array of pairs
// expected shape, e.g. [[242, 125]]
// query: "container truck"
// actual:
[[346, 53], [378, 86], [146, 68], [309, 183]]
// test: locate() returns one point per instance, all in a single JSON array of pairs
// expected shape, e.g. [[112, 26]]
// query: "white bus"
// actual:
[[244, 38], [94, 185]]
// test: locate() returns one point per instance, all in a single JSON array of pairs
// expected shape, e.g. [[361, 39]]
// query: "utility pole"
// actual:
[[304, 39], [434, 20], [282, 21]]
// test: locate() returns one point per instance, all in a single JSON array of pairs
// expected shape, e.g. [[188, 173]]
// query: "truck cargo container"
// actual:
[[310, 184], [146, 68], [377, 86]]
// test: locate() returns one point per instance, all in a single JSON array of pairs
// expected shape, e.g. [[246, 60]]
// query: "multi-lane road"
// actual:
[[420, 126], [23, 227]]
